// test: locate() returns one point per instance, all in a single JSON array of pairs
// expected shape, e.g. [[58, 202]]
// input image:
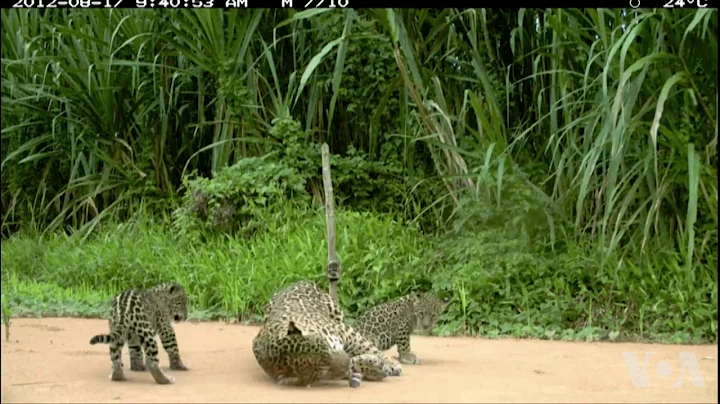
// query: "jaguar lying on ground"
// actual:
[[305, 339], [137, 316], [393, 322]]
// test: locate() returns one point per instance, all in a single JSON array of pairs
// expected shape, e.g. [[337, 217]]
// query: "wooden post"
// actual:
[[333, 267]]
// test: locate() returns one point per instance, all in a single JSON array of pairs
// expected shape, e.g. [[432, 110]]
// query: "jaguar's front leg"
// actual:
[[169, 343], [372, 367], [403, 347]]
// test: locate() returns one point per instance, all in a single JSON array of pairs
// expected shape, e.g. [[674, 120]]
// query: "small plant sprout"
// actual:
[[6, 317]]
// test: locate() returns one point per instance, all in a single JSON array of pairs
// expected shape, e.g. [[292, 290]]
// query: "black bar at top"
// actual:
[[309, 4]]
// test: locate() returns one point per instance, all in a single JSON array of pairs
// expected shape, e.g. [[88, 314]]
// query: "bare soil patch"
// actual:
[[51, 360]]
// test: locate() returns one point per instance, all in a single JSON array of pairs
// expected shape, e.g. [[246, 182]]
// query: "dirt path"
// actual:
[[50, 360]]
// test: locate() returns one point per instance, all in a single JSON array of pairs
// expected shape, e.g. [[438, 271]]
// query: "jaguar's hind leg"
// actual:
[[116, 344], [137, 363]]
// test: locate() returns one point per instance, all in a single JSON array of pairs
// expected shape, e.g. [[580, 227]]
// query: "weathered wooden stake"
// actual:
[[333, 267]]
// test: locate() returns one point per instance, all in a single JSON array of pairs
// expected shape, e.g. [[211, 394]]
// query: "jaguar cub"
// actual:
[[393, 322], [137, 316]]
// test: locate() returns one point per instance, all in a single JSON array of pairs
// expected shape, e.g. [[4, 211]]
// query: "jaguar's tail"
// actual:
[[101, 339]]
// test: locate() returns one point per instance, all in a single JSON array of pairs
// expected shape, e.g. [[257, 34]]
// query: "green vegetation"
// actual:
[[554, 171]]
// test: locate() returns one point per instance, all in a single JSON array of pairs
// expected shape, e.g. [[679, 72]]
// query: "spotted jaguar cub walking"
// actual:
[[137, 316], [393, 322]]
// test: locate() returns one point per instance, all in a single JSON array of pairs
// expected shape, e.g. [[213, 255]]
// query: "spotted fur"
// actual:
[[392, 323], [137, 316], [305, 339]]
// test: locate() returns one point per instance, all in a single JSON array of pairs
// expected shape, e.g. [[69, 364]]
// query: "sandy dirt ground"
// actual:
[[51, 360]]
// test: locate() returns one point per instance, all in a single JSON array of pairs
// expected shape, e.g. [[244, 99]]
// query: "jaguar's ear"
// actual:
[[173, 289], [292, 329]]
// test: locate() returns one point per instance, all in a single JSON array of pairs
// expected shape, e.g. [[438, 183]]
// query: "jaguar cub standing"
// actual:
[[305, 339], [393, 322], [137, 316]]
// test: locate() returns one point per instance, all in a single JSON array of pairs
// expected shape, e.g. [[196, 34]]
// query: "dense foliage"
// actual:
[[554, 170]]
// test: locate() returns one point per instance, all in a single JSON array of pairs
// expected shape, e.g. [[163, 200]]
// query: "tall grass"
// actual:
[[119, 104], [602, 87], [588, 131]]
